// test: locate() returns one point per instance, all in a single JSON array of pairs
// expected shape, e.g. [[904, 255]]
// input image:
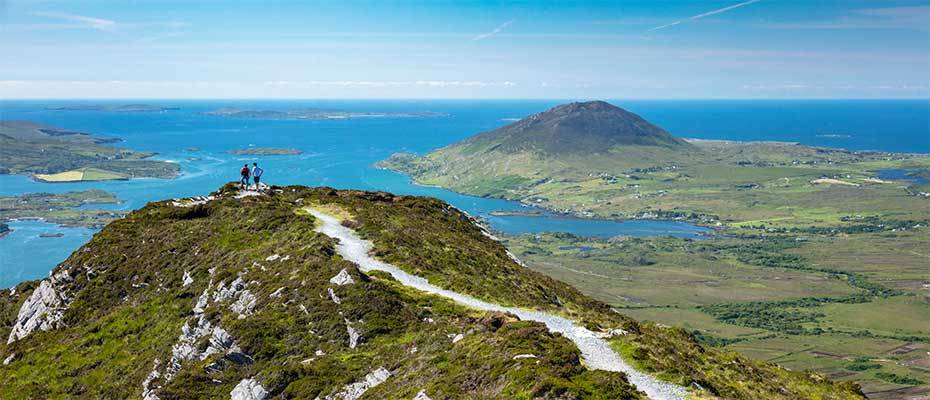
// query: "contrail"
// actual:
[[494, 32], [707, 14]]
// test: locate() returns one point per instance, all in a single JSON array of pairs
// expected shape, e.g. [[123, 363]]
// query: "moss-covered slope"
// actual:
[[193, 301]]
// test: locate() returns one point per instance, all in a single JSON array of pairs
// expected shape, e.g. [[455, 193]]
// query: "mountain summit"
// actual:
[[584, 127]]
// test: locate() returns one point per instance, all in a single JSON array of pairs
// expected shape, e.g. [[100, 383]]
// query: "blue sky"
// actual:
[[465, 49]]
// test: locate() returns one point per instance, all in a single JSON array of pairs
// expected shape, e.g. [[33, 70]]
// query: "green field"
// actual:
[[81, 175], [669, 280]]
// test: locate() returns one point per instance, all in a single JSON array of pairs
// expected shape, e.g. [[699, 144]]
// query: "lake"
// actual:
[[340, 153]]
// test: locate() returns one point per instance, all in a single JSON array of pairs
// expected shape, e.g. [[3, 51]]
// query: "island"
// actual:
[[315, 113], [64, 209], [126, 108], [819, 261], [4, 229], [51, 154], [516, 213], [266, 151]]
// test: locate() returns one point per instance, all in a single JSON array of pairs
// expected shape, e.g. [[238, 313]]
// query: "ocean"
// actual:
[[340, 153]]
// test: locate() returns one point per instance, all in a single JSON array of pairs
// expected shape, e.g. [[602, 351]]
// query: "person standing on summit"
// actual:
[[257, 175], [244, 173]]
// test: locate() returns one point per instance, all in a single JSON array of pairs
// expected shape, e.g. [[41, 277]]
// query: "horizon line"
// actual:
[[453, 98]]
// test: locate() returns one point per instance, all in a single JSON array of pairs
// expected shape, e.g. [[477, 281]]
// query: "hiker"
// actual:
[[257, 175], [244, 181]]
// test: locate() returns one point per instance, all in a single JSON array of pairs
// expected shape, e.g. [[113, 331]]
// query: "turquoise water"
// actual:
[[339, 153]]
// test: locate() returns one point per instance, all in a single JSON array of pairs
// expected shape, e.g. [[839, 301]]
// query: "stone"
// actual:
[[342, 278], [248, 389]]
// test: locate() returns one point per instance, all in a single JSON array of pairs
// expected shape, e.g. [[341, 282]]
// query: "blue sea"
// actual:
[[340, 153]]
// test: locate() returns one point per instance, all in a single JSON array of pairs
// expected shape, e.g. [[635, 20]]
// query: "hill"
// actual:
[[252, 296], [589, 127]]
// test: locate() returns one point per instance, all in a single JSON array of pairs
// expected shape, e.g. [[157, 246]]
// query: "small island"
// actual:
[[516, 213], [61, 208], [314, 113], [4, 229], [266, 151], [51, 154], [113, 108]]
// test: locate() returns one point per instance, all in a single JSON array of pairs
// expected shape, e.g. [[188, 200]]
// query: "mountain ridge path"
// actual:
[[596, 352]]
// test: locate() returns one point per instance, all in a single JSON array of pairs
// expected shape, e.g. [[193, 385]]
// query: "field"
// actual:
[[850, 306], [83, 174]]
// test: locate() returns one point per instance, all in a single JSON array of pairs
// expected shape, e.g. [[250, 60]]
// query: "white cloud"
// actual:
[[497, 30], [869, 18], [100, 24], [702, 15]]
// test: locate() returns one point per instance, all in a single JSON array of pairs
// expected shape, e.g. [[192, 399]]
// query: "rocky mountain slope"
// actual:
[[247, 296]]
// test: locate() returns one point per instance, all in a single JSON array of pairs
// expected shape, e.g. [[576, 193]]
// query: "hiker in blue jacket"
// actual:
[[257, 175]]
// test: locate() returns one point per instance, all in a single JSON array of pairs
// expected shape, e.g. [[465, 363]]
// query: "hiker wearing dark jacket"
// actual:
[[244, 181]]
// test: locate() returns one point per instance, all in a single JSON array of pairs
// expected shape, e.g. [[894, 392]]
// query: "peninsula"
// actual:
[[53, 154]]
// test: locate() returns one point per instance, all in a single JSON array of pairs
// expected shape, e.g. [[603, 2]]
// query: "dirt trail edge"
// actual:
[[596, 352]]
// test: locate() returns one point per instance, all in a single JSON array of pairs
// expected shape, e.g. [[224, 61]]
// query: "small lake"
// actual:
[[903, 175]]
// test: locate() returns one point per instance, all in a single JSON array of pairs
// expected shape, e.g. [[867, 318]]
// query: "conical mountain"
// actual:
[[583, 127]]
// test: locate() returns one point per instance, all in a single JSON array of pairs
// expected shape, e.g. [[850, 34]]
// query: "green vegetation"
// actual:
[[59, 155], [266, 151], [61, 208], [129, 305], [805, 301], [901, 380]]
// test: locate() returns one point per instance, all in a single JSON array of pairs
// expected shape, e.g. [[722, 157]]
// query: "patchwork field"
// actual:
[[83, 174]]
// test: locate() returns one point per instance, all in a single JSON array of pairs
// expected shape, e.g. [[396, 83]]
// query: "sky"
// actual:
[[659, 49]]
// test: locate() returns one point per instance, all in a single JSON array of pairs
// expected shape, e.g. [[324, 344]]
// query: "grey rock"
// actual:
[[248, 389]]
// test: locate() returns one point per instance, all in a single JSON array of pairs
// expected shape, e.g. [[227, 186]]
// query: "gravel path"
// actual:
[[597, 354]]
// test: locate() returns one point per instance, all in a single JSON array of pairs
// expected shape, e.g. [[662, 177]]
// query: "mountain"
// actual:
[[588, 127], [254, 296]]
